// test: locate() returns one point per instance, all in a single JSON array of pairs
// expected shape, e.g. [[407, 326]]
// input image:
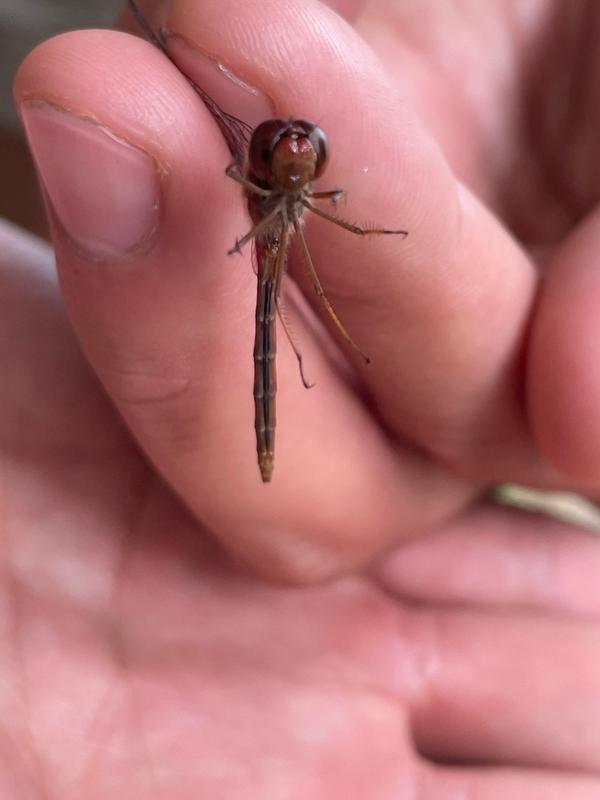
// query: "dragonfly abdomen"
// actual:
[[265, 375]]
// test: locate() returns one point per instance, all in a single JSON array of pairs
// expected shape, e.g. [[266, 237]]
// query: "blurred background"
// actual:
[[23, 25]]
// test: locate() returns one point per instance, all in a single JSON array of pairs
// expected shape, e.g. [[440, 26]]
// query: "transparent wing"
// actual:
[[235, 131]]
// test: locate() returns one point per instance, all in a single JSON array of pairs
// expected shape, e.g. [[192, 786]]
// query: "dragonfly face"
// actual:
[[287, 155]]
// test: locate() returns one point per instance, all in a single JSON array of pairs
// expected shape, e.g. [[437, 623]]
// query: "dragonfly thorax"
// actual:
[[288, 202]]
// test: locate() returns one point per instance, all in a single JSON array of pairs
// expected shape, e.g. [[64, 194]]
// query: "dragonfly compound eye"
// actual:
[[263, 142], [318, 140]]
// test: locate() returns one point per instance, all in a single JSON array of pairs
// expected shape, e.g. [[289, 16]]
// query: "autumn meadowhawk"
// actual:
[[275, 164]]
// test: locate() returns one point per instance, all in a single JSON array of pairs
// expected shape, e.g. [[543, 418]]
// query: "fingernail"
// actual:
[[228, 90], [104, 192]]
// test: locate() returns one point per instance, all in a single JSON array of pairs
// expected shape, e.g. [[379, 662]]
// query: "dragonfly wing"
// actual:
[[235, 131]]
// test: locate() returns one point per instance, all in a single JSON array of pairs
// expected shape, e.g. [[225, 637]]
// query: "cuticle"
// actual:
[[160, 166], [218, 62]]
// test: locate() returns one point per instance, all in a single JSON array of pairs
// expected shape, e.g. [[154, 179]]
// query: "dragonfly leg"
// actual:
[[291, 339], [233, 171], [321, 293], [350, 226], [260, 226], [335, 195]]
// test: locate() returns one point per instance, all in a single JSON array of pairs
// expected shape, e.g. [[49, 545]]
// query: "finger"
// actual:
[[564, 388], [507, 689], [166, 318], [503, 558], [70, 478], [443, 313], [44, 376], [348, 9], [442, 783]]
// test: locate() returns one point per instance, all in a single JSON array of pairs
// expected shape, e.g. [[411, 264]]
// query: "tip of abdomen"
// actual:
[[266, 468]]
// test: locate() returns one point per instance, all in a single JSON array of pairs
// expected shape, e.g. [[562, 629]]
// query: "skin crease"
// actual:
[[137, 659]]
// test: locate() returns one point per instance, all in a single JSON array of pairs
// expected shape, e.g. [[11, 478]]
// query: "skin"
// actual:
[[454, 651]]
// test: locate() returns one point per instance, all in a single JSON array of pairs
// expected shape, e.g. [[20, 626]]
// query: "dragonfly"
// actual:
[[275, 164]]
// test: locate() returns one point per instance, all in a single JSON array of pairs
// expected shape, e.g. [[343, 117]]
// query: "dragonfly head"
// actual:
[[288, 154]]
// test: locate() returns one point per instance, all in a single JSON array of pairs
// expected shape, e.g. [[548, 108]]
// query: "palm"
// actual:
[[176, 673]]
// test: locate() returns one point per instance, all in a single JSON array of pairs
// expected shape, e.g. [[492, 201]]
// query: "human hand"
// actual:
[[181, 392]]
